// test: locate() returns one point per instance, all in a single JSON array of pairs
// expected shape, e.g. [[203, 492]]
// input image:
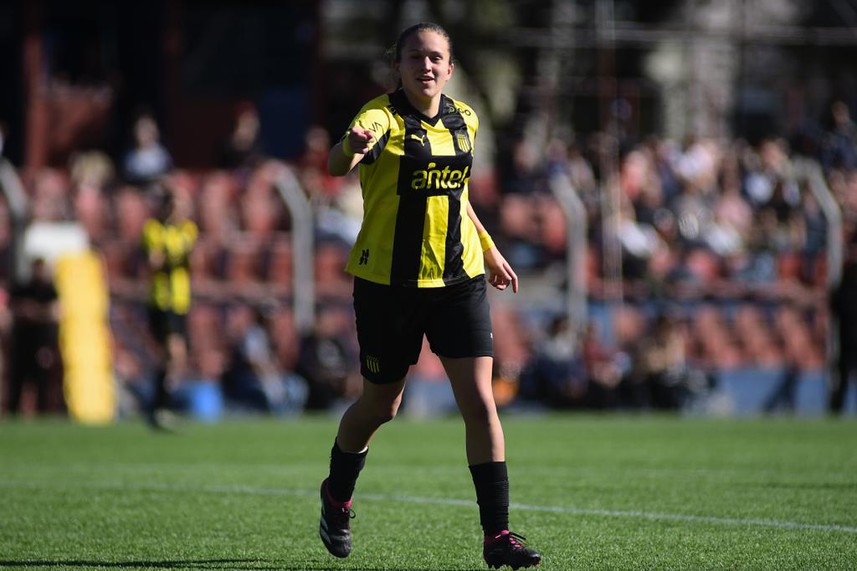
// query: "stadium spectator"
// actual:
[[91, 175], [325, 361], [147, 160], [784, 395], [555, 375], [254, 380], [242, 150], [662, 362], [606, 368], [168, 239], [418, 265], [50, 196], [839, 145], [34, 350], [843, 305]]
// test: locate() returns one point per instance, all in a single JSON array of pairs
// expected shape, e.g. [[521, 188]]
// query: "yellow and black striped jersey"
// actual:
[[416, 231], [170, 286]]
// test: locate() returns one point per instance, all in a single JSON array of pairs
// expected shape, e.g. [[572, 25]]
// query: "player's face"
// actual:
[[425, 65]]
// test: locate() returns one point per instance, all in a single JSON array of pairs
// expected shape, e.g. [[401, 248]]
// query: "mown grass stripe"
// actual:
[[627, 514]]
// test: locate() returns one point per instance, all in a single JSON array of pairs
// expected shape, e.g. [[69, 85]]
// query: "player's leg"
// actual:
[[390, 340], [471, 383], [460, 333], [378, 404]]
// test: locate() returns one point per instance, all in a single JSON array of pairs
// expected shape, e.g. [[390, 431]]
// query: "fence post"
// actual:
[[576, 230], [303, 290]]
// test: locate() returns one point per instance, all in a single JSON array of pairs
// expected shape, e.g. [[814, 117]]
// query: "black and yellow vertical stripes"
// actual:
[[170, 288], [416, 231]]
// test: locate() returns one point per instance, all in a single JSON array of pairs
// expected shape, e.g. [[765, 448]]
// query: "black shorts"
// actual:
[[163, 323], [391, 322]]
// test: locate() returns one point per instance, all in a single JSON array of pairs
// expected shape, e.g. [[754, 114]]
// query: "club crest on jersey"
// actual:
[[463, 142], [433, 178], [373, 363]]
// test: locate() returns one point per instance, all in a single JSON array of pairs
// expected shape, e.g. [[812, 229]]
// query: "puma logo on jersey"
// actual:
[[433, 178], [420, 138]]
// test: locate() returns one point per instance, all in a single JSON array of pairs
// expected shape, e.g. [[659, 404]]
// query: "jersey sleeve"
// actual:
[[470, 118], [376, 117], [149, 239]]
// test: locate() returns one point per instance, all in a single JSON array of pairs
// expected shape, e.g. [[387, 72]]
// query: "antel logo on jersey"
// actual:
[[433, 178]]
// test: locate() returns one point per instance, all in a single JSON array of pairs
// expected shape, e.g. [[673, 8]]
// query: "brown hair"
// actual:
[[416, 28]]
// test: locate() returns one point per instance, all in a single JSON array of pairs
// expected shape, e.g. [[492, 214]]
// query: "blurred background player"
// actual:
[[168, 239]]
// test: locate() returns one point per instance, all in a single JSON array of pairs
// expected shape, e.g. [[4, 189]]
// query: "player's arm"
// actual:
[[155, 256], [500, 272], [349, 151]]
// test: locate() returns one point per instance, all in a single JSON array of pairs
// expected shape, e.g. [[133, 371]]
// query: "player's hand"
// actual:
[[500, 272], [360, 140]]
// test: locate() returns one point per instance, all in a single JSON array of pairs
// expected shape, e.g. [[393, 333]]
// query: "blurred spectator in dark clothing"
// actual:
[[843, 305], [316, 149], [34, 347], [555, 374], [243, 149], [605, 369], [784, 395], [147, 160], [253, 379], [662, 363], [664, 156], [326, 361], [839, 149], [815, 236], [525, 172]]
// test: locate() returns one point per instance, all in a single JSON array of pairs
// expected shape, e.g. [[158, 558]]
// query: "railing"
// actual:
[[16, 198], [303, 291], [575, 218]]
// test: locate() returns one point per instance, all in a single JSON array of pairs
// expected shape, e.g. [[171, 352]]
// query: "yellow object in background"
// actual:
[[85, 339]]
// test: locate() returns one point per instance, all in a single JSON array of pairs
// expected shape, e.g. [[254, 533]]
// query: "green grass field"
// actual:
[[590, 492]]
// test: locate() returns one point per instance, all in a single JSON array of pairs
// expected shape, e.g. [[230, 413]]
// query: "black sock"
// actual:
[[162, 393], [492, 494], [344, 469]]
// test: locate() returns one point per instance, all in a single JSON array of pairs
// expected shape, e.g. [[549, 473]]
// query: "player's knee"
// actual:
[[383, 410], [388, 412], [475, 411]]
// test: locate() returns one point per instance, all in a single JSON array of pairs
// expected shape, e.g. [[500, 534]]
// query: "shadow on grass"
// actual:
[[250, 564], [833, 486], [231, 564]]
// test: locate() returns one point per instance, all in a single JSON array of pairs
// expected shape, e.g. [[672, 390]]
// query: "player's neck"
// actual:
[[427, 106]]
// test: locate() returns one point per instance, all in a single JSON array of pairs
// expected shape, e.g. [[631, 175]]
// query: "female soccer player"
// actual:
[[419, 267]]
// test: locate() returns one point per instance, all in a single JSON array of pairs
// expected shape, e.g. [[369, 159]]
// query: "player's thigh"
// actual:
[[389, 330]]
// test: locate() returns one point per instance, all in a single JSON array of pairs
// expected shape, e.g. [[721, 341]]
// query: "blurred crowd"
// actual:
[[702, 255]]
